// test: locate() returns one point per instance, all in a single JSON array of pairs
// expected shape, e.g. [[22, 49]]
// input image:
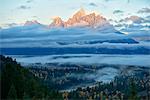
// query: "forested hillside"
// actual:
[[18, 83]]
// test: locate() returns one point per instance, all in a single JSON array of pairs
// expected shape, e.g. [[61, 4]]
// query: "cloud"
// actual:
[[29, 1], [117, 12], [133, 24], [8, 25], [134, 19], [144, 10], [128, 1], [35, 35], [120, 25], [11, 24], [34, 16], [24, 7], [93, 4], [108, 0], [147, 17]]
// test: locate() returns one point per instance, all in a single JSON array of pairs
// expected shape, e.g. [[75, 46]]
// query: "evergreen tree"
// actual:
[[26, 96], [133, 92], [19, 83], [12, 94]]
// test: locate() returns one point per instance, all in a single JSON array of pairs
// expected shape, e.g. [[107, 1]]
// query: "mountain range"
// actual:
[[81, 29], [79, 19]]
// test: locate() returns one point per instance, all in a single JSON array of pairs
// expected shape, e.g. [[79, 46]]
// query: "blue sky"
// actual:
[[19, 11]]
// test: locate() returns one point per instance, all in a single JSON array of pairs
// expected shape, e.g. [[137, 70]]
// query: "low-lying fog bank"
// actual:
[[71, 71], [87, 59]]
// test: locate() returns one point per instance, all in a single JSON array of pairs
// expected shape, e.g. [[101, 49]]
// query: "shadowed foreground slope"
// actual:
[[18, 83]]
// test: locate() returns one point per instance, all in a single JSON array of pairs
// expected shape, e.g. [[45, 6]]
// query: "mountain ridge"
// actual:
[[81, 18]]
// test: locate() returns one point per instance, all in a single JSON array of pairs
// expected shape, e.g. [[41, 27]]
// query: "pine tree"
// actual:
[[12, 94], [26, 96], [133, 92]]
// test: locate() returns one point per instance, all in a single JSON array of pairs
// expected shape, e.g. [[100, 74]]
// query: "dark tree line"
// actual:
[[18, 83]]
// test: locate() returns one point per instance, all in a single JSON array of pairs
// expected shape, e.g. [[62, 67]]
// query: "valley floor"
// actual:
[[87, 79]]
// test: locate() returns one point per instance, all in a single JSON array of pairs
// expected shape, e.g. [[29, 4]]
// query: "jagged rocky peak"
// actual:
[[57, 22], [79, 14], [34, 22], [76, 17], [92, 18], [80, 18]]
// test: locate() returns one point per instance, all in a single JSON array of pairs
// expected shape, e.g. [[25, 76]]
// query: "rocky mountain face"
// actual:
[[34, 22], [76, 18], [57, 22], [80, 18]]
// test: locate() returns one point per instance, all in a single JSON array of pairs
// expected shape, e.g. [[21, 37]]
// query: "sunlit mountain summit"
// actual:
[[79, 19], [82, 19]]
